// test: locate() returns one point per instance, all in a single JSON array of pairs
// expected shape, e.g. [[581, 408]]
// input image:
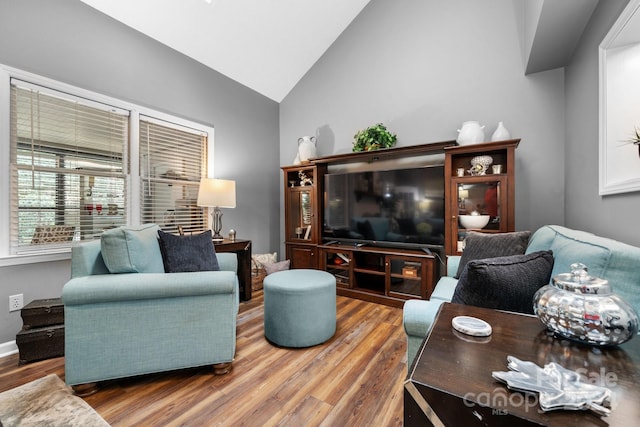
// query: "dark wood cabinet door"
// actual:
[[302, 256]]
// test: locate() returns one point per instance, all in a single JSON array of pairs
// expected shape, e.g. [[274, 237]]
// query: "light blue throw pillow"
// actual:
[[132, 249], [576, 246]]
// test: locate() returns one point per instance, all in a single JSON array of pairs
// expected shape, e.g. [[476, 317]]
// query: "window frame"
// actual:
[[133, 187], [77, 118]]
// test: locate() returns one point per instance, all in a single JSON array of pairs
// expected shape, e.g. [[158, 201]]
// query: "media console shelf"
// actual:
[[382, 275]]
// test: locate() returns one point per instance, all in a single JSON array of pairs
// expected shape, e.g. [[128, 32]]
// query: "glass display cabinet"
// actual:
[[479, 190], [302, 199]]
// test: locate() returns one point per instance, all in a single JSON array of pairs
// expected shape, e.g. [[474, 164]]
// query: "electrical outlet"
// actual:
[[16, 302]]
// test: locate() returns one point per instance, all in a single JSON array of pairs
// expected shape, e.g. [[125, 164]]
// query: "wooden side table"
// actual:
[[450, 382], [242, 248]]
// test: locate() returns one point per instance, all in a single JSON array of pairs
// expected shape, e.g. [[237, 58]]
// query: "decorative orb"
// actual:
[[584, 308]]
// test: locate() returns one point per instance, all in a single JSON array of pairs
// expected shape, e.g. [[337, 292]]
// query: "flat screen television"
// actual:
[[398, 207]]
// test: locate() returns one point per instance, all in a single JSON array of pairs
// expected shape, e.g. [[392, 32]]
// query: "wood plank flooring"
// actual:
[[354, 379]]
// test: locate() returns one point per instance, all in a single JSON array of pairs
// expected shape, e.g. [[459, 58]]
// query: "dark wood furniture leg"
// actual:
[[222, 368], [84, 390], [242, 248]]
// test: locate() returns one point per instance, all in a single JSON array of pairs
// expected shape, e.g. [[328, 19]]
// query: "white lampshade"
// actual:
[[217, 192]]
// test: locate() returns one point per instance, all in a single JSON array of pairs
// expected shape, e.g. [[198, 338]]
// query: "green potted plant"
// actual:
[[374, 138]]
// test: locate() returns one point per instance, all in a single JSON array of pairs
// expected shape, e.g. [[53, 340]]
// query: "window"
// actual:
[[75, 163], [68, 167], [172, 161]]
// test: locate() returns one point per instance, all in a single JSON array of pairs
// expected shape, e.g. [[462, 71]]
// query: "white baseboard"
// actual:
[[8, 348]]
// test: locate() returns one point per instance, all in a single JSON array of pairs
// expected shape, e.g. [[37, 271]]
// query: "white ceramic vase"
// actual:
[[470, 133], [306, 148], [501, 133]]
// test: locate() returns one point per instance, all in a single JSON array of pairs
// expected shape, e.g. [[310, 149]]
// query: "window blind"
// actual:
[[68, 167], [172, 161]]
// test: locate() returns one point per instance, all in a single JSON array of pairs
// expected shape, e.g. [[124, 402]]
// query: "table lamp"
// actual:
[[217, 193]]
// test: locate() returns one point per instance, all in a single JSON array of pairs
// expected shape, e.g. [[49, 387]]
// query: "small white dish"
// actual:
[[471, 326]]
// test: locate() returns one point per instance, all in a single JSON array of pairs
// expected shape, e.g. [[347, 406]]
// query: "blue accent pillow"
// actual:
[[188, 253], [504, 283], [132, 249]]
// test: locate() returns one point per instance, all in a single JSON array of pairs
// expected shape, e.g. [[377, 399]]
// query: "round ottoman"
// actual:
[[299, 307]]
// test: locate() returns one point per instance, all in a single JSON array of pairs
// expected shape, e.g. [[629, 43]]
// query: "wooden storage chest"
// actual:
[[42, 334], [40, 343], [42, 312]]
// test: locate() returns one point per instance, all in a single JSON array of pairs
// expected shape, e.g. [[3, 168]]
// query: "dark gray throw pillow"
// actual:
[[188, 253], [504, 283], [491, 245]]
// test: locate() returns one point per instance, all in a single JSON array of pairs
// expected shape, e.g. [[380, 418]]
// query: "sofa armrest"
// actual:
[[453, 261], [417, 318], [107, 288], [227, 261], [444, 289]]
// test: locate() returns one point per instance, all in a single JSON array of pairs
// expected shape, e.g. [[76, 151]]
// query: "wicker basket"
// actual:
[[257, 276]]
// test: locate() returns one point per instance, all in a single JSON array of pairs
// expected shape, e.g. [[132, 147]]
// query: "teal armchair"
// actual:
[[132, 323]]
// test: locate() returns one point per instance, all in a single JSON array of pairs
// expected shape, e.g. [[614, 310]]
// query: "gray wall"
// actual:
[[424, 67], [73, 43], [614, 216]]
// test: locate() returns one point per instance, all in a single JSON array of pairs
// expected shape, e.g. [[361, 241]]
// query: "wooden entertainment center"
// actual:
[[391, 274]]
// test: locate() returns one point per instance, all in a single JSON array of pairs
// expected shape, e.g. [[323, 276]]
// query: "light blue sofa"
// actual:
[[126, 324], [609, 259]]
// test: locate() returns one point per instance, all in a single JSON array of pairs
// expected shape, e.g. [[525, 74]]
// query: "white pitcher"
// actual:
[[306, 148], [470, 133]]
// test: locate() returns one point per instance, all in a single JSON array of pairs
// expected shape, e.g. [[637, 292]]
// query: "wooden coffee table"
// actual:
[[450, 382]]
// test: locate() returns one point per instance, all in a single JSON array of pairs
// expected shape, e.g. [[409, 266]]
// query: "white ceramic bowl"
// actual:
[[474, 221]]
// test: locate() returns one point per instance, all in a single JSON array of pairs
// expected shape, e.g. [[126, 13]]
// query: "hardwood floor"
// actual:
[[354, 379]]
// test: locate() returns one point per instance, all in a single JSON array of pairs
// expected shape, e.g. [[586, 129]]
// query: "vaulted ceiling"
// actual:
[[269, 45]]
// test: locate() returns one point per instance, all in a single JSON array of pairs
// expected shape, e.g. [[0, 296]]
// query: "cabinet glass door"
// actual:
[[481, 205], [406, 278], [305, 208], [481, 200], [301, 214]]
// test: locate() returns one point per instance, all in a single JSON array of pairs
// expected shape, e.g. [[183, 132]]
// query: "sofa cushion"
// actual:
[[132, 249], [486, 245], [504, 283], [571, 246], [183, 254]]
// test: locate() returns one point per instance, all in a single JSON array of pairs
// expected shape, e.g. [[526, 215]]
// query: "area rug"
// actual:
[[46, 402]]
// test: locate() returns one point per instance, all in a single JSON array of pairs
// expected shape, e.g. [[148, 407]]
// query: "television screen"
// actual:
[[399, 207]]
